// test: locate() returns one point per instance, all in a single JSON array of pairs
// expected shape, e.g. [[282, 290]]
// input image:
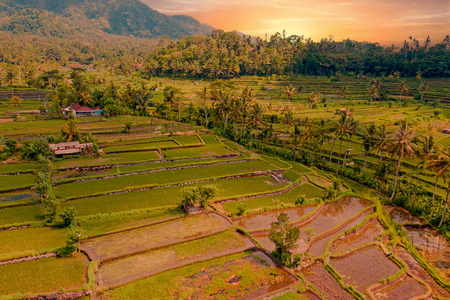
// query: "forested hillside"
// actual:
[[65, 18]]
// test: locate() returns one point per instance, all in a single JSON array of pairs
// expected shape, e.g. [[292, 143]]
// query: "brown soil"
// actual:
[[364, 268], [278, 280], [318, 247], [150, 263], [416, 269], [326, 284], [352, 241], [6, 120], [263, 220], [432, 246], [402, 216], [119, 244], [403, 290]]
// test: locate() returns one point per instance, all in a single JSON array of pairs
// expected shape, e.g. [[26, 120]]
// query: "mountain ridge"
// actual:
[[63, 18]]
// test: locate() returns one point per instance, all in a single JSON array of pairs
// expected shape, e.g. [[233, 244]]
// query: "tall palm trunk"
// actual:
[[286, 135], [331, 152], [339, 160], [445, 206], [435, 186], [365, 161], [396, 176], [346, 152], [235, 128]]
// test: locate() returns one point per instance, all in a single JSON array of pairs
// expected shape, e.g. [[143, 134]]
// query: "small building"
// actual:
[[69, 148], [82, 111]]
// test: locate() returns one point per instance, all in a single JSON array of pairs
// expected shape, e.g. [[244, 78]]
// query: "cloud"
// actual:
[[382, 20]]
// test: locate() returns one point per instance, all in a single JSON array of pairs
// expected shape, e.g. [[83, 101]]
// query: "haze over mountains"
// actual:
[[64, 18]]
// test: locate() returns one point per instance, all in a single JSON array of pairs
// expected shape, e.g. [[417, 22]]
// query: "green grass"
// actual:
[[21, 167], [166, 196], [208, 150], [169, 285], [17, 181], [29, 241], [109, 159], [157, 178], [187, 140], [309, 190], [146, 146], [291, 296], [20, 214], [43, 275], [56, 177], [102, 224], [210, 139]]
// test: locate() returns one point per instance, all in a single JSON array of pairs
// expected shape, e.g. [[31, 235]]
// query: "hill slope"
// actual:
[[62, 18]]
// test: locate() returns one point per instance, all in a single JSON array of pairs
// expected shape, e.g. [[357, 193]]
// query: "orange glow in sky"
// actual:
[[383, 21]]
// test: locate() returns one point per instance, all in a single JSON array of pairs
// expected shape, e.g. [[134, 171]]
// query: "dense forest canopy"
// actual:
[[225, 54], [64, 18]]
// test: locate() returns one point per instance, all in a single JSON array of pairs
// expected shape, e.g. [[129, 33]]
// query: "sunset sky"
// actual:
[[382, 21]]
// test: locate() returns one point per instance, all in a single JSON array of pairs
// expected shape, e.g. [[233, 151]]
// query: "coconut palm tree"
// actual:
[[404, 90], [401, 145], [289, 92], [423, 88], [203, 96], [10, 79], [343, 125], [288, 121], [368, 141], [16, 102], [351, 130], [440, 162], [424, 153], [256, 117], [381, 138], [70, 131]]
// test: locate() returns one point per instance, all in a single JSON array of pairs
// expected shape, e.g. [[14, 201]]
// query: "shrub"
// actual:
[[68, 215]]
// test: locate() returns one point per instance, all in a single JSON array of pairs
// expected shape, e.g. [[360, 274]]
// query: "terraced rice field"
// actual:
[[141, 245]]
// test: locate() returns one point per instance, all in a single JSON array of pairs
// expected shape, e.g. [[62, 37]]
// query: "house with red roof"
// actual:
[[82, 111]]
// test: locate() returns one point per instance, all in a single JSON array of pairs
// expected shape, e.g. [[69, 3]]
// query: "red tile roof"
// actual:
[[78, 108]]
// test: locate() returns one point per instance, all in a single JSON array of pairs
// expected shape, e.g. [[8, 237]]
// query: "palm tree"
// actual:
[[381, 140], [203, 95], [374, 92], [368, 141], [343, 125], [423, 88], [288, 120], [10, 79], [16, 102], [256, 116], [423, 153], [401, 144], [441, 163], [289, 92], [352, 129], [70, 131], [404, 90], [236, 113]]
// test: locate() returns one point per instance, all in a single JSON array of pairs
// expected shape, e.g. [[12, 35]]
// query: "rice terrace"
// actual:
[[151, 156]]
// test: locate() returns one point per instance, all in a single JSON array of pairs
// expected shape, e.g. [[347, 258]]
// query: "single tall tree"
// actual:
[[401, 145], [441, 163]]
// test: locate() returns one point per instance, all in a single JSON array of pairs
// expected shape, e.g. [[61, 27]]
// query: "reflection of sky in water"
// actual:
[[263, 220], [432, 245], [16, 197], [402, 216]]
